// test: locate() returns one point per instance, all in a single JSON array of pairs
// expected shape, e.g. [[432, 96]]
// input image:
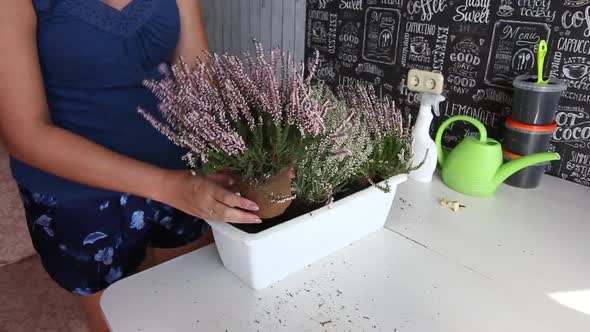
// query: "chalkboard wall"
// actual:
[[479, 45]]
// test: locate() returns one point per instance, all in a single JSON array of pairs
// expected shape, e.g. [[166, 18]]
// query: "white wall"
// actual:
[[232, 24]]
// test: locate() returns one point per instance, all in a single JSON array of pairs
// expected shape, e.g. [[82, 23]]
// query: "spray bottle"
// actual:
[[430, 87]]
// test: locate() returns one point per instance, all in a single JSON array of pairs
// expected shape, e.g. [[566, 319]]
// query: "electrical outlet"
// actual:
[[425, 81]]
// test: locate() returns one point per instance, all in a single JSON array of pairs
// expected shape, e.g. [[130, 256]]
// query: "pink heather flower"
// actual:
[[382, 116], [207, 107]]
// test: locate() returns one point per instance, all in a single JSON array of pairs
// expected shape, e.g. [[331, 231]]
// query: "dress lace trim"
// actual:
[[120, 22]]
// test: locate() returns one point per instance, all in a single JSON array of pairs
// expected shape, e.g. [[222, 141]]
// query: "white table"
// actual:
[[519, 261]]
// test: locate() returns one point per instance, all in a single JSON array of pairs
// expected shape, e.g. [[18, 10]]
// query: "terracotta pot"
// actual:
[[267, 193]]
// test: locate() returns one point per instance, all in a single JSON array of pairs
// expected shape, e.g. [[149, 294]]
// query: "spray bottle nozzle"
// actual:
[[432, 100], [436, 109]]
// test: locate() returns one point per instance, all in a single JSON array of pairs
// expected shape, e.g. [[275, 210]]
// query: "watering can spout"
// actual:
[[518, 164]]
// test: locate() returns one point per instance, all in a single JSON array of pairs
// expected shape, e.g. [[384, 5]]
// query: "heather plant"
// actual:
[[333, 159], [392, 136], [252, 117]]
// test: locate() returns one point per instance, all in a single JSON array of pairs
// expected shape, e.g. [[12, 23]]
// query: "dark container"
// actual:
[[524, 139], [534, 103], [527, 178]]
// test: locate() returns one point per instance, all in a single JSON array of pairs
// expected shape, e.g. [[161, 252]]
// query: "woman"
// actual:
[[87, 164]]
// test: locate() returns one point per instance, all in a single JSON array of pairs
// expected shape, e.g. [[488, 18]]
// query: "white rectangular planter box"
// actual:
[[269, 256]]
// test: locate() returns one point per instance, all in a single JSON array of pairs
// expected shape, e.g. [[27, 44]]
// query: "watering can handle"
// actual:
[[483, 133]]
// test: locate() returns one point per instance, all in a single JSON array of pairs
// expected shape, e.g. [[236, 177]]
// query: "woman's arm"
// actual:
[[30, 136], [193, 36]]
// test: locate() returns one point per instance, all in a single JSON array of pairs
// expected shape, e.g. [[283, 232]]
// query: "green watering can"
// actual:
[[476, 166]]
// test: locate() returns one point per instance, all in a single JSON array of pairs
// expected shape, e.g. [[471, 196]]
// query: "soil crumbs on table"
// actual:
[[333, 312]]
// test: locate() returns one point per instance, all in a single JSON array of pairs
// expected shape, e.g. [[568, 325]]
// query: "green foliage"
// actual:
[[392, 156], [272, 148]]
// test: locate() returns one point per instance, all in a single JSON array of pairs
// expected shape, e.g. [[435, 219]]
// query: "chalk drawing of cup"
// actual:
[[505, 11], [318, 30], [575, 71], [418, 47], [479, 96]]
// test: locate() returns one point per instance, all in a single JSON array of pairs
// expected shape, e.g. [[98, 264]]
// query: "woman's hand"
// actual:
[[207, 198]]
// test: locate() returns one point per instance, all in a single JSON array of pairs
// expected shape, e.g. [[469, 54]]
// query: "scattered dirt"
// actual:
[[333, 308]]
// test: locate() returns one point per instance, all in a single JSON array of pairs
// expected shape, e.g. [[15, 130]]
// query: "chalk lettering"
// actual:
[[405, 49], [349, 39], [351, 4], [440, 49], [537, 9], [580, 158], [569, 118], [421, 28], [474, 11], [348, 81], [556, 64], [573, 45], [370, 68], [426, 8], [347, 57], [323, 3], [487, 117], [498, 96], [572, 134], [332, 33], [319, 15], [577, 19], [578, 97], [392, 2], [522, 37], [582, 84], [466, 58]]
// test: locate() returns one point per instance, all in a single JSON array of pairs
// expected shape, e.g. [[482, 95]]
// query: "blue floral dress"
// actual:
[[93, 59], [86, 245]]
